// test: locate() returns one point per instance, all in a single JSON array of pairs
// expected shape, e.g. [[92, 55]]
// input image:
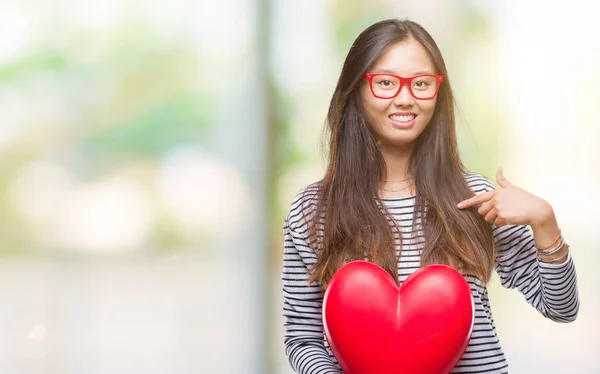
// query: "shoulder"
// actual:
[[478, 182], [303, 206]]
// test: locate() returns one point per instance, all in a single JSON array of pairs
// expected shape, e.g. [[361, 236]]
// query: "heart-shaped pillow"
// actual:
[[374, 327]]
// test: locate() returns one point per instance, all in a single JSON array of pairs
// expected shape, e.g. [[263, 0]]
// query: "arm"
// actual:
[[302, 303], [550, 287]]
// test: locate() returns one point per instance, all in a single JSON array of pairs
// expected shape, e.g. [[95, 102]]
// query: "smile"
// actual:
[[402, 118], [403, 121]]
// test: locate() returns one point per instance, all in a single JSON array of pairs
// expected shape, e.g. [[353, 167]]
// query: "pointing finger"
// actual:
[[486, 196]]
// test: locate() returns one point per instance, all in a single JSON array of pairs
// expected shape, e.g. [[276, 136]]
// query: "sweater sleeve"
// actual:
[[550, 288], [302, 303]]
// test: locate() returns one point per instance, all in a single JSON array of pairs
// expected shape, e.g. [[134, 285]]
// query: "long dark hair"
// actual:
[[354, 220]]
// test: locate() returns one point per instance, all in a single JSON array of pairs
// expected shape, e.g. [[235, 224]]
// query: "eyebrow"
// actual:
[[387, 71]]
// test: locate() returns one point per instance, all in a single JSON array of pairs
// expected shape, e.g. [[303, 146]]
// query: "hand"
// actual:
[[510, 205]]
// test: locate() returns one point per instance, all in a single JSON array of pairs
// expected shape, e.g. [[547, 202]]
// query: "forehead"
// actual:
[[405, 58]]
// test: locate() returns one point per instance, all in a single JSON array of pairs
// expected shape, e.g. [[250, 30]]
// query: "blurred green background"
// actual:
[[149, 152]]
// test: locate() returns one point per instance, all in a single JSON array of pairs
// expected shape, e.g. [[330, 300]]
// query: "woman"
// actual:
[[397, 194]]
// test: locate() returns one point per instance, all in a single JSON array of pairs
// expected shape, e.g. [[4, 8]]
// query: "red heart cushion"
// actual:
[[374, 327]]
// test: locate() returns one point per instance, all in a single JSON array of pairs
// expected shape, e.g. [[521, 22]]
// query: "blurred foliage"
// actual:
[[37, 60], [153, 131], [127, 97]]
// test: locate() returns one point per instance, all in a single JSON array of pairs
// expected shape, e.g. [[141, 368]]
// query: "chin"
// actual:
[[406, 137], [400, 142]]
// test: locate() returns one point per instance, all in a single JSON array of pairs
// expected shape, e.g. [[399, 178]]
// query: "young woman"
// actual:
[[397, 194]]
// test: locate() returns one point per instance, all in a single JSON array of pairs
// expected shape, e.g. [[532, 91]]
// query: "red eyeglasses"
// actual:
[[387, 86]]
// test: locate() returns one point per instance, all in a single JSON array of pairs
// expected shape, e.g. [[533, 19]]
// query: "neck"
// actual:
[[396, 161]]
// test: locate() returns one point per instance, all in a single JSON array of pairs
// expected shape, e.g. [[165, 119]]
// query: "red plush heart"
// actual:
[[374, 327]]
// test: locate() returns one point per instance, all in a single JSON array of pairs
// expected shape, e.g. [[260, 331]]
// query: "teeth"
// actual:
[[403, 118]]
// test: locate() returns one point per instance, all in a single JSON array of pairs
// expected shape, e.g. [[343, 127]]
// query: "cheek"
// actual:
[[374, 108], [378, 106], [427, 110]]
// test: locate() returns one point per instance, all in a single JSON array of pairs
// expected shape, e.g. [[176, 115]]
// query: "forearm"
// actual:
[[559, 281], [310, 357], [549, 287], [545, 233], [302, 310]]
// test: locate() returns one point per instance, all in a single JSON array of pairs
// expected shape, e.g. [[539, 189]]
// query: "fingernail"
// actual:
[[460, 205]]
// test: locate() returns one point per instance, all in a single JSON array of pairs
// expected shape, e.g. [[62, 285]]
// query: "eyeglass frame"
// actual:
[[408, 80]]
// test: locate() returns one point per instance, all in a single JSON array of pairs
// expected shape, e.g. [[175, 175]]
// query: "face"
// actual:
[[398, 121]]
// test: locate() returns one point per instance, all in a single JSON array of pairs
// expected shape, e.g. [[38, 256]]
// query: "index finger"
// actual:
[[481, 198]]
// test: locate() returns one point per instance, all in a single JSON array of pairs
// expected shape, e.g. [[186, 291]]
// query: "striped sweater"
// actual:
[[550, 288]]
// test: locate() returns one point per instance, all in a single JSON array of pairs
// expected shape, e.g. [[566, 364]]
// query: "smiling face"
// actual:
[[400, 120]]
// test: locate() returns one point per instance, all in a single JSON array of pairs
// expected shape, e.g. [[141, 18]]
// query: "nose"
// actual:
[[404, 97]]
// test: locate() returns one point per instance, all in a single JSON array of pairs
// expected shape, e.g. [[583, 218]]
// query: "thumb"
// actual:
[[502, 182]]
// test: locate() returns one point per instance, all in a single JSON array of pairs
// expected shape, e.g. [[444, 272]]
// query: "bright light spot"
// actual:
[[38, 332], [95, 15], [112, 216], [15, 31], [203, 193]]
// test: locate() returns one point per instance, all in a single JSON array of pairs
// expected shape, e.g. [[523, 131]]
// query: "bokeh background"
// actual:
[[149, 151]]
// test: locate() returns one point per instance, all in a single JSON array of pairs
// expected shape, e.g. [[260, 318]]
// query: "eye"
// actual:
[[385, 82], [423, 83]]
